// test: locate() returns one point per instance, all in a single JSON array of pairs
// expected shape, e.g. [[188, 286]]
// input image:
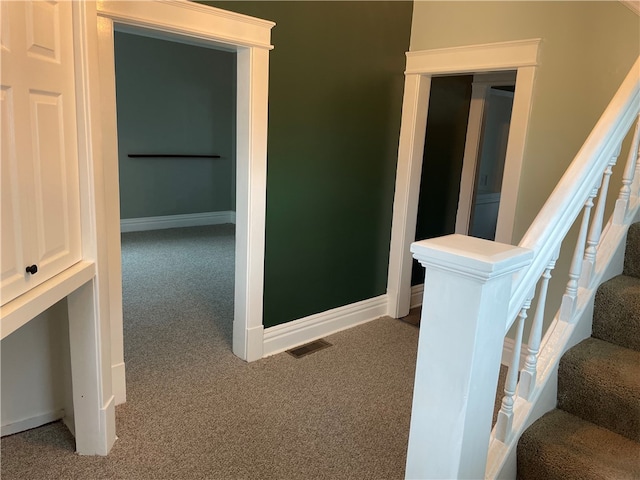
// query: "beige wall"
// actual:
[[587, 49]]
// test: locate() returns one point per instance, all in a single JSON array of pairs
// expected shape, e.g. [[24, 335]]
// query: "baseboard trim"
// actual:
[[417, 293], [298, 332], [176, 221], [119, 383], [108, 425], [31, 422]]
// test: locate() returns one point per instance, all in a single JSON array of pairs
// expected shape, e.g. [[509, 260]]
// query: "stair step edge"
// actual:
[[562, 446]]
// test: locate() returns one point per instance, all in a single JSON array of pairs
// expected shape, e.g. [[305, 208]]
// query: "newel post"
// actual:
[[464, 316]]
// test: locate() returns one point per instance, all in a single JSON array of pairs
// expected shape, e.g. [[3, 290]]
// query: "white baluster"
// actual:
[[627, 179], [569, 299], [593, 240], [635, 187], [529, 372], [505, 415]]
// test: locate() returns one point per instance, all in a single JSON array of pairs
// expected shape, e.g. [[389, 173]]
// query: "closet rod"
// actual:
[[163, 155]]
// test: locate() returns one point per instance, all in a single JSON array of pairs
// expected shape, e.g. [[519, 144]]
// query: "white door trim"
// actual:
[[201, 25], [421, 66]]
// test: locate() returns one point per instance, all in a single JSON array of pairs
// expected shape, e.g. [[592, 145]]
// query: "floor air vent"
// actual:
[[308, 348]]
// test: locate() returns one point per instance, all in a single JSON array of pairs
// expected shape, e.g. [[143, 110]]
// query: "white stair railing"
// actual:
[[475, 290]]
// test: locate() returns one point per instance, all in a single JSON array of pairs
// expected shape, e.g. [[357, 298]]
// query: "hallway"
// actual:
[[194, 410]]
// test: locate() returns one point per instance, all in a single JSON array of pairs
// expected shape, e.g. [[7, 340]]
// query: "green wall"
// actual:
[[335, 98], [174, 98]]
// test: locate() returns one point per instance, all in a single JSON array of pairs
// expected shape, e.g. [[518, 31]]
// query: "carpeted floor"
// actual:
[[194, 410]]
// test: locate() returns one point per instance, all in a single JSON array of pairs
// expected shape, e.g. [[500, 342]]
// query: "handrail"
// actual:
[[461, 267], [565, 203]]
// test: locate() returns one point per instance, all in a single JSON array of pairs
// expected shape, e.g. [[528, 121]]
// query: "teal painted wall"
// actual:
[[335, 97], [174, 98]]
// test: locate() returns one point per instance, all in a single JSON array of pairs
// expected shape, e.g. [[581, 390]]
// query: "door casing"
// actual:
[[186, 22], [521, 56]]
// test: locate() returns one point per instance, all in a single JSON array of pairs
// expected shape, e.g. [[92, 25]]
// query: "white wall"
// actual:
[[36, 372]]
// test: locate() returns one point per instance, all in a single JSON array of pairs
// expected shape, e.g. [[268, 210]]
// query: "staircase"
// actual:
[[594, 432]]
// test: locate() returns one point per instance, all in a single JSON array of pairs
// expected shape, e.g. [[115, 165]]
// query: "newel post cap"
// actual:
[[470, 256]]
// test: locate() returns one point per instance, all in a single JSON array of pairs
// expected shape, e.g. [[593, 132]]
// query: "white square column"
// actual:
[[464, 316]]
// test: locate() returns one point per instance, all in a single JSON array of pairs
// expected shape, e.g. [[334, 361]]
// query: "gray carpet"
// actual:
[[194, 410], [595, 431]]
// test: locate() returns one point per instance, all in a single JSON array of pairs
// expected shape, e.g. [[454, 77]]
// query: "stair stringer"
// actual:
[[560, 337]]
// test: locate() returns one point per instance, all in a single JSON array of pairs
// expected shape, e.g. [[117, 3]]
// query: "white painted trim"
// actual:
[[292, 334], [405, 203], [421, 66], [105, 121], [176, 221], [522, 100], [560, 336], [119, 383], [417, 292], [31, 422], [27, 306], [250, 38], [474, 58], [198, 22]]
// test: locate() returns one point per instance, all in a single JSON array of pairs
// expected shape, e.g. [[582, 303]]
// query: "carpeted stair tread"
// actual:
[[600, 382], [561, 446], [632, 252], [616, 315]]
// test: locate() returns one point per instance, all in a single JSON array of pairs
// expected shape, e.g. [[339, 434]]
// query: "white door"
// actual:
[[40, 191]]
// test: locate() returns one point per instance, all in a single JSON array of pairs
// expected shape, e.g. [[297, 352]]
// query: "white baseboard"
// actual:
[[177, 221], [31, 422], [108, 425], [417, 292], [292, 334], [507, 352], [119, 384]]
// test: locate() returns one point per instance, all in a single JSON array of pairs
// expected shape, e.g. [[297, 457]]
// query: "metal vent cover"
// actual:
[[308, 348]]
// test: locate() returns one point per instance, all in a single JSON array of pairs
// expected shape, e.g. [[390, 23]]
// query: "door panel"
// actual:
[[42, 222], [12, 276]]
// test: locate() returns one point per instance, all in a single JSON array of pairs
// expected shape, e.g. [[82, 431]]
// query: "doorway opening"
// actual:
[[422, 67], [465, 146], [176, 152], [249, 40]]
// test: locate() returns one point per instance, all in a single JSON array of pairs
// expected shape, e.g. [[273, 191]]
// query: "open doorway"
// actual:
[[200, 25], [422, 67], [463, 161], [176, 152]]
